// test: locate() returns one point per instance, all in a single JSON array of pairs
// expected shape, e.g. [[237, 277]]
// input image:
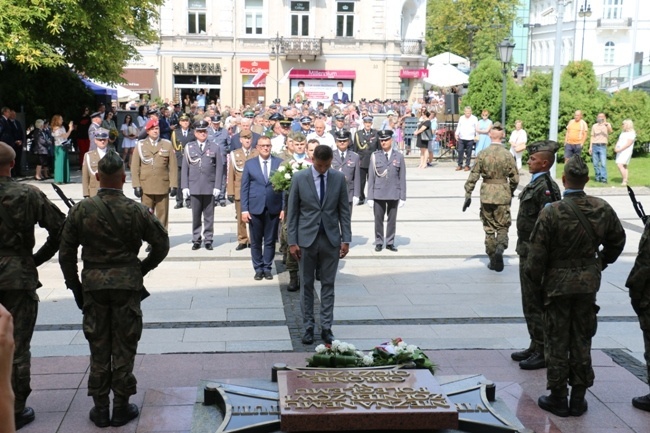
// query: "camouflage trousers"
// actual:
[[496, 222], [570, 323], [532, 300], [644, 322], [23, 306], [112, 324], [290, 263]]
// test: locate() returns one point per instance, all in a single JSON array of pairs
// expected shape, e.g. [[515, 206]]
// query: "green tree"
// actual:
[[633, 105], [485, 89], [531, 103], [95, 37], [470, 28]]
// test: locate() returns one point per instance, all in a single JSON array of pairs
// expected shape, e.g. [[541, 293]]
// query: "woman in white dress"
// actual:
[[624, 148], [129, 134], [518, 140]]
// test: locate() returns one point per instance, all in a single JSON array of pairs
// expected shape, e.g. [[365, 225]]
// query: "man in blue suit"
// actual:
[[319, 233], [261, 207], [340, 97]]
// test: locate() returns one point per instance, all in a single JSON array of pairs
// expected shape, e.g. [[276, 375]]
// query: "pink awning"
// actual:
[[413, 73]]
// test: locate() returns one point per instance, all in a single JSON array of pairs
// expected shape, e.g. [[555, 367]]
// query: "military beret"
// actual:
[[201, 125], [249, 114], [151, 123], [96, 114], [276, 116], [299, 137], [110, 163], [543, 146], [385, 134], [576, 167], [305, 120], [246, 133], [342, 135], [102, 134], [184, 117], [339, 117], [368, 119]]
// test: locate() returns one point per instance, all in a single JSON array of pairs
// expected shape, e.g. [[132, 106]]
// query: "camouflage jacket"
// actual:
[[498, 169], [26, 206], [108, 262], [562, 256], [532, 199], [639, 279]]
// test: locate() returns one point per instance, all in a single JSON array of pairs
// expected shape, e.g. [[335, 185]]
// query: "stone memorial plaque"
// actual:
[[335, 400]]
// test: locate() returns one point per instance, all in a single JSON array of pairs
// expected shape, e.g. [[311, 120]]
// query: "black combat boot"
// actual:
[[577, 403], [522, 355], [294, 282], [556, 403], [99, 414], [24, 417], [642, 402], [534, 362], [123, 411], [497, 264]]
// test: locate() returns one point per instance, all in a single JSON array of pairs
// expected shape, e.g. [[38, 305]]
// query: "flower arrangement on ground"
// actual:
[[394, 352], [281, 179]]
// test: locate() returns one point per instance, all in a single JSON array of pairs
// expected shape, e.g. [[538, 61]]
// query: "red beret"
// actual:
[[151, 123]]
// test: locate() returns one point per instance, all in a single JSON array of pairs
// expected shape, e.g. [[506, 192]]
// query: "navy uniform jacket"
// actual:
[[386, 179], [364, 144], [350, 168], [201, 171], [180, 141]]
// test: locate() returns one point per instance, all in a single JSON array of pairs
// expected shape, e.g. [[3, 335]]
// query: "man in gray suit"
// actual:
[[386, 189], [319, 233], [347, 162]]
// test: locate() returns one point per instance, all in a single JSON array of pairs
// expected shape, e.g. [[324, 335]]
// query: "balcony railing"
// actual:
[[620, 23], [411, 46], [302, 47]]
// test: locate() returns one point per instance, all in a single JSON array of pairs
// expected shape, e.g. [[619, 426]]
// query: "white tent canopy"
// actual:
[[448, 58], [445, 75]]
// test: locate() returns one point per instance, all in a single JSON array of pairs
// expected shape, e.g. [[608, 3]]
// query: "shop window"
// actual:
[[300, 18], [609, 53], [196, 13], [254, 16], [345, 19], [613, 9]]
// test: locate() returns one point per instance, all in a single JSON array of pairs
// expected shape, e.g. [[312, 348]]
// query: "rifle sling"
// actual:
[[583, 221]]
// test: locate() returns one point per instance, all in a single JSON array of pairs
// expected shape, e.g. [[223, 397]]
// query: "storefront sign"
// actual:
[[197, 68], [323, 74], [413, 73], [248, 67]]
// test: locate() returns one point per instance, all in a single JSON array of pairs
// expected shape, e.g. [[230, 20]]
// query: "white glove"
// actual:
[[355, 201], [371, 203], [186, 193], [215, 192], [401, 203]]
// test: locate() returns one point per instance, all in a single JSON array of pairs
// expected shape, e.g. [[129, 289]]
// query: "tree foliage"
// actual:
[[470, 28], [485, 89], [95, 37], [633, 105]]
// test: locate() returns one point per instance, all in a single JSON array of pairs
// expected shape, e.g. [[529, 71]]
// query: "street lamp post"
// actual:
[[585, 11], [530, 27], [277, 49], [505, 55]]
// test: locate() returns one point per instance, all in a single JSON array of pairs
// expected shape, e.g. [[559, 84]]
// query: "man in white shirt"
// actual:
[[320, 134], [465, 133]]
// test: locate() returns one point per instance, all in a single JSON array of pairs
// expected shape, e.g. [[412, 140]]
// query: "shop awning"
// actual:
[[323, 74], [139, 80]]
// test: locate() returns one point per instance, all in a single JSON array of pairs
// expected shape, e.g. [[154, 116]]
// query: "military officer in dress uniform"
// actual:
[[386, 189], [236, 161], [220, 136], [347, 162], [154, 171], [201, 180], [95, 124], [305, 125], [364, 144], [339, 124], [180, 138], [89, 183], [278, 142]]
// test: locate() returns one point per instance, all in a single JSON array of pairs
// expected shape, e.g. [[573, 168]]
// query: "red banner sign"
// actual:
[[323, 74], [414, 73], [252, 67]]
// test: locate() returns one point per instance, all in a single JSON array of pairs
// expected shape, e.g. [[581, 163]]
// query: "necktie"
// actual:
[[266, 171], [386, 153], [246, 153], [322, 188], [201, 145], [342, 156], [184, 133]]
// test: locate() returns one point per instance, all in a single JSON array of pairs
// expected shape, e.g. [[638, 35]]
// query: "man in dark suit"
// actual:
[[261, 207], [340, 97], [347, 162], [319, 234], [8, 135], [180, 138], [245, 125]]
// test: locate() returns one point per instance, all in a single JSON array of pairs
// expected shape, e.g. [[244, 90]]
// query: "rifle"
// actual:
[[68, 201], [638, 207]]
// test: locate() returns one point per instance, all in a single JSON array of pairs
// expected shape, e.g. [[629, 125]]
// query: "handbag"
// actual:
[[67, 145], [426, 134]]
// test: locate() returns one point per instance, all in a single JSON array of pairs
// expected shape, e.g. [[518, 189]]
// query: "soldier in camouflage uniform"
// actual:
[[639, 284], [541, 190], [565, 261], [498, 169], [23, 206], [111, 287]]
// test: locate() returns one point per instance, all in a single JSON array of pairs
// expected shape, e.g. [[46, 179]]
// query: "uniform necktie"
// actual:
[[322, 188], [266, 171], [342, 156], [184, 133], [246, 153], [201, 145], [386, 153]]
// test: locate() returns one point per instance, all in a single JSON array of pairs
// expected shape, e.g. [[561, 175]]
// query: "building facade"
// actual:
[[375, 48]]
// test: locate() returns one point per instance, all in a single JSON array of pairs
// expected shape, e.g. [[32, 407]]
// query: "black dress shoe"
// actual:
[[392, 248], [556, 405], [196, 246], [327, 336], [240, 247], [222, 203], [259, 275], [379, 248], [178, 205], [308, 336], [521, 355], [100, 416], [268, 275], [25, 417], [361, 201], [642, 402], [208, 247], [534, 362], [124, 414], [577, 406]]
